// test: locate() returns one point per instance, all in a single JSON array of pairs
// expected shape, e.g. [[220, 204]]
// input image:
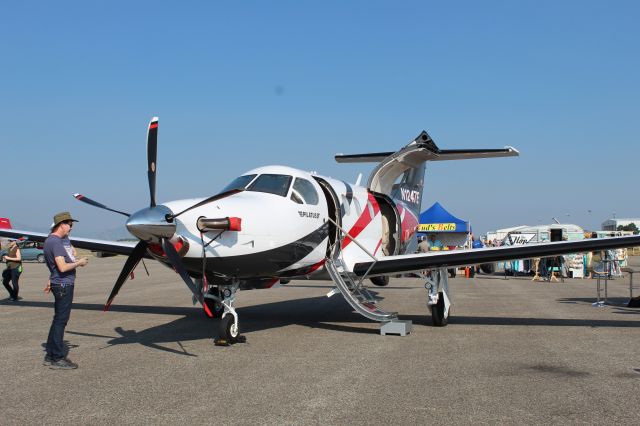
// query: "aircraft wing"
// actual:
[[453, 258], [116, 247]]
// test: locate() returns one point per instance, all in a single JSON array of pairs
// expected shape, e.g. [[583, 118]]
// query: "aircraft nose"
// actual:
[[151, 224]]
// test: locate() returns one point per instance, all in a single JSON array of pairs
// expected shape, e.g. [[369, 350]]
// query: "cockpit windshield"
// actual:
[[271, 184], [240, 182]]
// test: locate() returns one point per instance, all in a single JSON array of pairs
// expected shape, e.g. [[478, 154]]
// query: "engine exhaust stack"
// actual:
[[219, 224]]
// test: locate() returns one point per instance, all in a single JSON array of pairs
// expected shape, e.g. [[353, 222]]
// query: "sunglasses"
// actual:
[[69, 222]]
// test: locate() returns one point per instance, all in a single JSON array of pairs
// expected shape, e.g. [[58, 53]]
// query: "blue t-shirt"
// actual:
[[55, 246]]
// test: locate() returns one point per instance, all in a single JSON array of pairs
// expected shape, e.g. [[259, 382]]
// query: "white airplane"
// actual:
[[279, 223]]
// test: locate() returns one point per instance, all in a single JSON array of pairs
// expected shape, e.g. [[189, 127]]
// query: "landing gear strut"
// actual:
[[214, 302]]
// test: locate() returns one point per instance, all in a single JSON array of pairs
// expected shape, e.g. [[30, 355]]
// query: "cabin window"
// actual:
[[271, 184], [240, 182], [303, 192]]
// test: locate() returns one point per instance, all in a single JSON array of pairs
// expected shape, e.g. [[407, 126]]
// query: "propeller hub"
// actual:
[[151, 224]]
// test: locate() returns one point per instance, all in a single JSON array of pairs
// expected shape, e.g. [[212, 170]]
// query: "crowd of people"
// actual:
[[547, 269]]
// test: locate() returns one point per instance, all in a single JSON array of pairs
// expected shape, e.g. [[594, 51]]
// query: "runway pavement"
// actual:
[[515, 351]]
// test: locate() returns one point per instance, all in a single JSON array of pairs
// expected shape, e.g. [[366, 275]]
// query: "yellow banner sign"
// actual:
[[431, 227]]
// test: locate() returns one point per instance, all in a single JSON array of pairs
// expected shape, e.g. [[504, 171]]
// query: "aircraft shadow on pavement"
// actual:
[[317, 312]]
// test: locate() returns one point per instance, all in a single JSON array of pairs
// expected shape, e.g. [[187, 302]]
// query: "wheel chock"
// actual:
[[224, 342]]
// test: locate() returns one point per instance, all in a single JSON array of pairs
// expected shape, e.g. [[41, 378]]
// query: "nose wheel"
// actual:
[[229, 329]]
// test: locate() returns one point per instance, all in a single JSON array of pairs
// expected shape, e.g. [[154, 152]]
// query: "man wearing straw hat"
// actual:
[[62, 263]]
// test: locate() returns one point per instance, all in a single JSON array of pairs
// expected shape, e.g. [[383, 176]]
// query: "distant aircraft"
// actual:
[[279, 223]]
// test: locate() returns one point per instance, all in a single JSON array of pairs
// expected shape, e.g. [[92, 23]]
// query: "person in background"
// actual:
[[476, 244], [60, 257], [588, 258], [13, 271], [423, 245], [434, 243]]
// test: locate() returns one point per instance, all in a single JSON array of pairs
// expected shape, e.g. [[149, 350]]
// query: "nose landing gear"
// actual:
[[229, 330]]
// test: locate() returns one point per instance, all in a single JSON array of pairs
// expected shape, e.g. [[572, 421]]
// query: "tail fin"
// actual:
[[400, 174]]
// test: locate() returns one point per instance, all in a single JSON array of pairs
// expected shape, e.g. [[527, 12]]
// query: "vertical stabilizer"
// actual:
[[401, 174]]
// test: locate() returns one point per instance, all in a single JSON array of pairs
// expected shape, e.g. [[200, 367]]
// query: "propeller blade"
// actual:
[[152, 154], [208, 200], [89, 201], [132, 261], [175, 260]]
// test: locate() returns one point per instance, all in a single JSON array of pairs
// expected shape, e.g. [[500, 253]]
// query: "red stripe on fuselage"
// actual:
[[363, 221], [377, 247], [153, 125], [409, 223], [316, 266]]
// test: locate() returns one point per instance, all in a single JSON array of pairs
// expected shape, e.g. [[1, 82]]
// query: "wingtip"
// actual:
[[512, 149]]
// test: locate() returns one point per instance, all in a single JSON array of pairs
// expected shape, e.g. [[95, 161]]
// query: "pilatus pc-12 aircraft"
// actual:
[[279, 223]]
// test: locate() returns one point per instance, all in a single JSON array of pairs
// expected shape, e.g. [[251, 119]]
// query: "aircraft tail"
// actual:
[[400, 174]]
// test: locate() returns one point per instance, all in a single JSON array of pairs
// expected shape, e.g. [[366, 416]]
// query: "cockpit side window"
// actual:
[[303, 192], [271, 184], [240, 182]]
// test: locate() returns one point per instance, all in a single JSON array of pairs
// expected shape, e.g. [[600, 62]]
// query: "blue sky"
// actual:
[[242, 84]]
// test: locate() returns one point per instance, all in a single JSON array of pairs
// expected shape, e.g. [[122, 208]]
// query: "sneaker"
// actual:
[[63, 364], [47, 360]]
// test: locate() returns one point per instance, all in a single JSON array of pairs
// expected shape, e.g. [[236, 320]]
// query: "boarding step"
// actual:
[[359, 298]]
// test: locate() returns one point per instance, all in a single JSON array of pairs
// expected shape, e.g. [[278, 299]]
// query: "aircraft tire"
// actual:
[[437, 313], [380, 281], [488, 268], [228, 329]]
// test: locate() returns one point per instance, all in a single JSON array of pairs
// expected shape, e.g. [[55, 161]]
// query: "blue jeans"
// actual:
[[63, 300], [12, 275]]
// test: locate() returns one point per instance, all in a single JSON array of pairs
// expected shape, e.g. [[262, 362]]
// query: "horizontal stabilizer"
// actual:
[[431, 152], [448, 259], [373, 157]]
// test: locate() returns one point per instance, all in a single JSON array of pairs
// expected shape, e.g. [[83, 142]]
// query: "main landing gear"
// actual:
[[229, 330], [438, 299]]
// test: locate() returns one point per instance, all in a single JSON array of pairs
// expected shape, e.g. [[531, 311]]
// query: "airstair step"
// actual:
[[359, 298]]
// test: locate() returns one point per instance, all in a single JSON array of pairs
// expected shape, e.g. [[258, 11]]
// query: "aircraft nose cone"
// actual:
[[150, 224]]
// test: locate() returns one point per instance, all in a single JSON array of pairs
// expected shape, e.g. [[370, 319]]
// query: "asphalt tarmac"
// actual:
[[515, 351]]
